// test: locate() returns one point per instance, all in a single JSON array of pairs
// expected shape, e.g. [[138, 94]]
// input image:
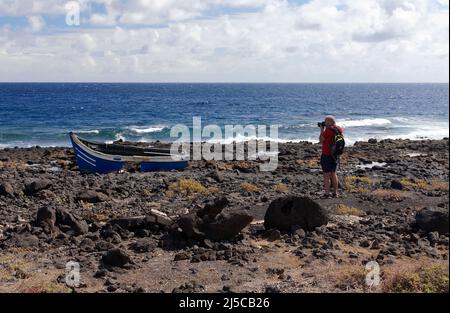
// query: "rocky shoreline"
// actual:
[[226, 226]]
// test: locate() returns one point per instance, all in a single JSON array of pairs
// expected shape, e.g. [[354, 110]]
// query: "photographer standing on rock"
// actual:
[[333, 145]]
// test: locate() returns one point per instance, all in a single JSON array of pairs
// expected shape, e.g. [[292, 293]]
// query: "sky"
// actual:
[[224, 41]]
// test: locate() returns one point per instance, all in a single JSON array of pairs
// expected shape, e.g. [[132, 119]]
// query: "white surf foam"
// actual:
[[93, 131], [146, 129], [241, 138], [364, 122]]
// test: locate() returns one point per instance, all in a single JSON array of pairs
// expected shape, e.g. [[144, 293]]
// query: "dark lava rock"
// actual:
[[46, 218], [433, 219], [116, 258], [272, 289], [152, 221], [144, 245], [25, 240], [36, 185], [6, 190], [183, 255], [213, 208], [395, 184], [91, 196], [49, 218], [272, 234], [212, 223], [291, 211], [74, 222], [365, 243], [189, 288], [227, 225]]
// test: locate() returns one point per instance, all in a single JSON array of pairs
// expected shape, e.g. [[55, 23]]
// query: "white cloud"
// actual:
[[36, 23], [335, 40]]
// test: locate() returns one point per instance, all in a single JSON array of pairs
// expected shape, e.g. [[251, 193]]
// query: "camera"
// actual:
[[321, 124]]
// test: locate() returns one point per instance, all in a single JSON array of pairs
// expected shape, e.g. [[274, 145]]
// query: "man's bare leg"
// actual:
[[326, 182], [334, 183]]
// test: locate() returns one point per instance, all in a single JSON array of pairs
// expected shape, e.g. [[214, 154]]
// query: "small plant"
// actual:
[[356, 184], [351, 278], [343, 209], [282, 188], [249, 187], [439, 185], [413, 184], [48, 287], [431, 279], [389, 195], [187, 187]]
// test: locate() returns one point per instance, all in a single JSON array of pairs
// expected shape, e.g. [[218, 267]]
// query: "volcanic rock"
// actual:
[[212, 223], [49, 218], [286, 212], [91, 196], [116, 258], [433, 219], [395, 184], [36, 185], [144, 245], [6, 190]]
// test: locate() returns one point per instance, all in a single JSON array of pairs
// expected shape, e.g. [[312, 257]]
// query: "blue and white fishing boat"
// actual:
[[94, 157]]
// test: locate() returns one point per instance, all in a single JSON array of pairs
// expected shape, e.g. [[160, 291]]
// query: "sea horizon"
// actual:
[[43, 114]]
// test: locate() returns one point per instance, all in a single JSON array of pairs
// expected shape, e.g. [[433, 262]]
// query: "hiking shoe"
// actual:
[[325, 196]]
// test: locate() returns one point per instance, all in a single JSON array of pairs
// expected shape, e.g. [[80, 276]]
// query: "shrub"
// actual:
[[430, 279], [439, 185], [187, 187], [282, 188], [356, 184], [343, 209], [389, 195], [249, 187]]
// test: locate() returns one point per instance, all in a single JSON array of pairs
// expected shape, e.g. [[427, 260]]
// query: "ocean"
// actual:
[[44, 113]]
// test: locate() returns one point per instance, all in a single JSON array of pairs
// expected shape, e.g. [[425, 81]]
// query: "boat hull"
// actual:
[[162, 166], [90, 161]]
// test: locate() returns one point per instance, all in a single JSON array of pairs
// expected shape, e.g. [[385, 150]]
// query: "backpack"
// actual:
[[337, 143]]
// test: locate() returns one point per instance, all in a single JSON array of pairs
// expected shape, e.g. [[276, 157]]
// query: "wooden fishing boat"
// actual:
[[94, 157]]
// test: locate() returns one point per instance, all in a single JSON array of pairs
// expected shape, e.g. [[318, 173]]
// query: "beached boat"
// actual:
[[94, 157]]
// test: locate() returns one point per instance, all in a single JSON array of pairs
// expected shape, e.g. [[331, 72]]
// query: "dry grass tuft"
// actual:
[[249, 187], [421, 184], [282, 188], [12, 267], [356, 184], [351, 277], [413, 184], [439, 185], [423, 279], [343, 209], [47, 287], [187, 187], [389, 195]]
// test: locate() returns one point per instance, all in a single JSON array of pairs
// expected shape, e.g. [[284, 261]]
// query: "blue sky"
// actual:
[[225, 40], [58, 20]]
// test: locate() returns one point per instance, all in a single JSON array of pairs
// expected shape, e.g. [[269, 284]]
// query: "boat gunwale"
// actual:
[[130, 159]]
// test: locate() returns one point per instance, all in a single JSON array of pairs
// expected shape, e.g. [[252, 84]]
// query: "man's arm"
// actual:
[[321, 137]]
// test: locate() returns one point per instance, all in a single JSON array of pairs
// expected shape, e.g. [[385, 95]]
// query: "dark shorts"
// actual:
[[328, 163]]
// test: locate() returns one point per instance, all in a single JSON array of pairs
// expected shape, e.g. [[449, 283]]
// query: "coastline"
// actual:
[[373, 220]]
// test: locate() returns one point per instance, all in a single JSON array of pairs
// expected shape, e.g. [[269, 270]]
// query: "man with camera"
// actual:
[[333, 143]]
